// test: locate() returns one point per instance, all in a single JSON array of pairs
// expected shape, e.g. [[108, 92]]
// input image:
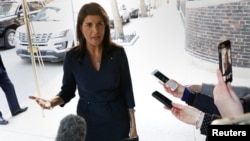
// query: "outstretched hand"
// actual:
[[225, 99], [45, 104]]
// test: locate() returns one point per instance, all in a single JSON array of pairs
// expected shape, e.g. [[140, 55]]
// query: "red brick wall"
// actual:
[[206, 26]]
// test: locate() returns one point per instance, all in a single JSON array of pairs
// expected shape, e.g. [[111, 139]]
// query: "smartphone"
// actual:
[[167, 102], [173, 85], [225, 60]]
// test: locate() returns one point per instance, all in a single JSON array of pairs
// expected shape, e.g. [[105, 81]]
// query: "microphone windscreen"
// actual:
[[72, 128]]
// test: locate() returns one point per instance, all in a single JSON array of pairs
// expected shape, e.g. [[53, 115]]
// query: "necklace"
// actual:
[[96, 60]]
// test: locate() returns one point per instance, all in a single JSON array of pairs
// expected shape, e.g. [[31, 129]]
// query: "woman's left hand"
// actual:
[[133, 133]]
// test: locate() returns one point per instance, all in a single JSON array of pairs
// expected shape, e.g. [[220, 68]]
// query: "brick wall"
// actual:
[[209, 24]]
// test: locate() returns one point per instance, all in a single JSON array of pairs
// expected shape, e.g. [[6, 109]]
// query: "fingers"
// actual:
[[231, 91], [220, 77], [176, 105], [43, 103], [38, 100], [165, 107], [32, 97], [167, 89], [175, 109]]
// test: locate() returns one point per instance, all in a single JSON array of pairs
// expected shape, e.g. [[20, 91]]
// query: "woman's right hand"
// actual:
[[45, 104]]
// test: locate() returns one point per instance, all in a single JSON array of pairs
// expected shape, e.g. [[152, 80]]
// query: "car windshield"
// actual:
[[8, 9], [50, 14]]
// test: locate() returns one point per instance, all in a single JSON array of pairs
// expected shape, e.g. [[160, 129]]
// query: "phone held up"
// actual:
[[164, 79], [225, 60]]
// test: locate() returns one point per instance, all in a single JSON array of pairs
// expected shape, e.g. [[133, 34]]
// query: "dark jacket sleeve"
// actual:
[[246, 103], [68, 87], [126, 81], [203, 103]]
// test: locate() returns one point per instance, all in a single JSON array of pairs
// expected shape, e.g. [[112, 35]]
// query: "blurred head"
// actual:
[[72, 128], [93, 18]]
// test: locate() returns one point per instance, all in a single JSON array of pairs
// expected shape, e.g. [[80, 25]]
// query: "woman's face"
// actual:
[[93, 29]]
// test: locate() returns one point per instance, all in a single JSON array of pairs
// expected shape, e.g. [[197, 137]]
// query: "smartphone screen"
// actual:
[[173, 86], [225, 60]]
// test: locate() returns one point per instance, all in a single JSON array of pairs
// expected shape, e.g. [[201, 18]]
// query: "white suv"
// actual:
[[124, 14], [53, 33]]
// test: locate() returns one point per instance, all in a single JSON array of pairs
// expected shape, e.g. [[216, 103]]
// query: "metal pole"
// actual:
[[32, 50]]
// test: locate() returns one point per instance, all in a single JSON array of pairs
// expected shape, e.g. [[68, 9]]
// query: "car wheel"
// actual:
[[128, 20], [9, 38]]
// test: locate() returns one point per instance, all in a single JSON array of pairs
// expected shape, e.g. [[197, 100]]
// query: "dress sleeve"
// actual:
[[126, 82], [68, 87]]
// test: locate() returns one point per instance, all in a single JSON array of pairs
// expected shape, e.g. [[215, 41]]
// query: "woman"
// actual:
[[99, 70]]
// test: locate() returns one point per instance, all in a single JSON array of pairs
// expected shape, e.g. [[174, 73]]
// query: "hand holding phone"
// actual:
[[225, 60], [164, 100], [164, 79]]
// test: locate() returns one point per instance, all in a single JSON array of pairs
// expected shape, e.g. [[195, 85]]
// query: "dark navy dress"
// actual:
[[105, 95]]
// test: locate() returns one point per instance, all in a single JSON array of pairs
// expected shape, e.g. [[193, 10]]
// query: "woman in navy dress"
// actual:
[[98, 70]]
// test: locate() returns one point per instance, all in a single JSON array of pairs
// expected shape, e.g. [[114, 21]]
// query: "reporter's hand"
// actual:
[[177, 93], [45, 104], [225, 99], [185, 113]]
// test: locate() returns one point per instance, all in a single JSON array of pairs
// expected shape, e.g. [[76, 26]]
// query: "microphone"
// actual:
[[72, 128]]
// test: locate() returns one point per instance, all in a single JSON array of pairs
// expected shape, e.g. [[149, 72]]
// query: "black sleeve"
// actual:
[[246, 103], [203, 102]]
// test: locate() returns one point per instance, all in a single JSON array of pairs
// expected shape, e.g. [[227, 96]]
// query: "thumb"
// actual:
[[177, 105], [32, 97]]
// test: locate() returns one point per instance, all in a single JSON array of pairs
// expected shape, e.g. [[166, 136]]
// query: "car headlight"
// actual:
[[60, 34]]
